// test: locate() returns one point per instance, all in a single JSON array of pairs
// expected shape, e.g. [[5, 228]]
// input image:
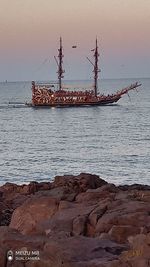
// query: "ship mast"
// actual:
[[96, 69], [60, 65]]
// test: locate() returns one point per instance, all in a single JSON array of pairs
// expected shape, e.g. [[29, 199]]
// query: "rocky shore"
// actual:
[[75, 221]]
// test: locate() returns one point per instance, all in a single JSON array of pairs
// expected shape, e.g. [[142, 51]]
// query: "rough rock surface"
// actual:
[[75, 221]]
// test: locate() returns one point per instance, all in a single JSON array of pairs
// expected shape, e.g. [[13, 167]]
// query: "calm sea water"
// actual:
[[111, 141]]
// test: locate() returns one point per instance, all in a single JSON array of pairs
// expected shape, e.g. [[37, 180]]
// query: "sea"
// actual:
[[36, 144]]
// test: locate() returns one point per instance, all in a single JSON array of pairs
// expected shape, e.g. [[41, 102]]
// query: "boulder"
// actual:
[[120, 233], [32, 212], [11, 239], [124, 212], [70, 219], [79, 183], [139, 253], [141, 243], [83, 251], [59, 193]]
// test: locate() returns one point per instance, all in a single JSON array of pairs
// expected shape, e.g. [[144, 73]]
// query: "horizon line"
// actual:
[[121, 78]]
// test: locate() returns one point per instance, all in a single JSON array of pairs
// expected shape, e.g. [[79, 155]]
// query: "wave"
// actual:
[[14, 105]]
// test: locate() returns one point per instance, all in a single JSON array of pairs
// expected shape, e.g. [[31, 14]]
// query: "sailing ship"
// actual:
[[45, 94]]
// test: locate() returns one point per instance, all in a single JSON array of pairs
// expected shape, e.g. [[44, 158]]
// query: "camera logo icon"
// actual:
[[10, 255]]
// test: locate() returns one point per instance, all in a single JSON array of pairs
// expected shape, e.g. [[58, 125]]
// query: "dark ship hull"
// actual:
[[76, 104], [44, 96]]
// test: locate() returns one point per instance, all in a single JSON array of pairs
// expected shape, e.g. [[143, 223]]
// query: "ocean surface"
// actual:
[[40, 143]]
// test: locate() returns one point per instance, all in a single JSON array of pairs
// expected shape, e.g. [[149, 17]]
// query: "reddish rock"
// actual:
[[134, 187], [2, 257], [76, 221], [35, 210], [139, 252], [120, 233], [140, 195], [62, 220], [94, 196], [9, 188], [98, 212], [79, 183], [11, 239], [118, 263], [17, 200], [79, 225], [5, 214], [25, 189], [141, 243], [83, 251], [124, 213], [75, 251], [90, 230], [59, 193], [104, 236], [111, 188]]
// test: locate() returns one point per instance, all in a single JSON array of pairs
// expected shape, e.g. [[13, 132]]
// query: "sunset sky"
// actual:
[[30, 31]]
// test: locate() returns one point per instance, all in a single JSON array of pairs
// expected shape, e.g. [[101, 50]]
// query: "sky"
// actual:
[[30, 32]]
